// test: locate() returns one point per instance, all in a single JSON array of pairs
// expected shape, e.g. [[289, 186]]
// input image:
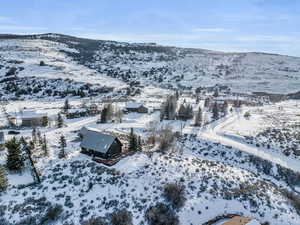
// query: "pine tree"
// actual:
[[139, 144], [132, 141], [66, 106], [216, 93], [215, 111], [198, 118], [206, 102], [34, 135], [60, 121], [39, 137], [103, 117], [3, 179], [14, 161], [110, 111], [45, 146], [62, 146], [225, 108], [45, 121], [197, 99]]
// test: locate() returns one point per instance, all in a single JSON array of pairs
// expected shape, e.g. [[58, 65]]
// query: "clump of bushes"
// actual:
[[42, 63], [166, 138], [294, 199], [121, 217], [161, 214], [52, 214], [175, 194], [12, 71], [95, 221], [247, 114]]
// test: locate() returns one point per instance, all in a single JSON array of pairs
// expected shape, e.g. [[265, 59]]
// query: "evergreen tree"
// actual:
[[45, 121], [215, 111], [60, 121], [45, 146], [3, 179], [216, 93], [66, 106], [62, 146], [225, 108], [139, 144], [206, 102], [103, 117], [198, 118], [39, 137], [110, 111], [177, 95], [185, 112], [197, 100], [34, 135], [162, 112], [132, 141], [31, 145], [23, 141], [14, 161]]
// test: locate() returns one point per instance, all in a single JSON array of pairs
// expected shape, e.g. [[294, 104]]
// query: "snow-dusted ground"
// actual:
[[58, 64]]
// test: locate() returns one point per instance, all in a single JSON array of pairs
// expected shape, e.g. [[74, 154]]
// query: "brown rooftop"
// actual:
[[238, 220]]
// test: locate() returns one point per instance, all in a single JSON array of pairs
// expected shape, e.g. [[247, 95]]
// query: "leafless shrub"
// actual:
[[161, 214], [122, 217], [175, 193]]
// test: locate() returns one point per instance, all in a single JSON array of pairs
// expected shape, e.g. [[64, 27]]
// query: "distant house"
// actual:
[[32, 118], [98, 144], [136, 107], [92, 109], [239, 220]]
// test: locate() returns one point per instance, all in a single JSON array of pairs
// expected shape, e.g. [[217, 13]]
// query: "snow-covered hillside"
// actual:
[[222, 152], [70, 57]]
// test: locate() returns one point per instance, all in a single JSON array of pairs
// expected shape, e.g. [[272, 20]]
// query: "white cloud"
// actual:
[[212, 30], [270, 38]]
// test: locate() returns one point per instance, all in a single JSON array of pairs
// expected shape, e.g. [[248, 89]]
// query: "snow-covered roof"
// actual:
[[32, 114], [133, 105], [94, 139], [77, 110]]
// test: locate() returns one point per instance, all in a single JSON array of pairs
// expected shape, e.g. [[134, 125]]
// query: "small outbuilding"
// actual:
[[136, 107], [33, 119], [98, 144]]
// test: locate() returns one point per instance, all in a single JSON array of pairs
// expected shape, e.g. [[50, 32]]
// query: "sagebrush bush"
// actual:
[[52, 213], [294, 198], [94, 221], [161, 214], [175, 193], [121, 217]]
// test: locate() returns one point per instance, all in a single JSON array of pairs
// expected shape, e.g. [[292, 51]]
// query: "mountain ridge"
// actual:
[[164, 66]]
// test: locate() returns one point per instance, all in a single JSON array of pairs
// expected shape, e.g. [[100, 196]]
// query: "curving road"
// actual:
[[215, 132]]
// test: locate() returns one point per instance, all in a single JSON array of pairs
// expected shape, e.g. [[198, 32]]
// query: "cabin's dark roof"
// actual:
[[94, 139]]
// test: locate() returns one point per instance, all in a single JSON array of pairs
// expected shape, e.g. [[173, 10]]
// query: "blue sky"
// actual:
[[229, 25]]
